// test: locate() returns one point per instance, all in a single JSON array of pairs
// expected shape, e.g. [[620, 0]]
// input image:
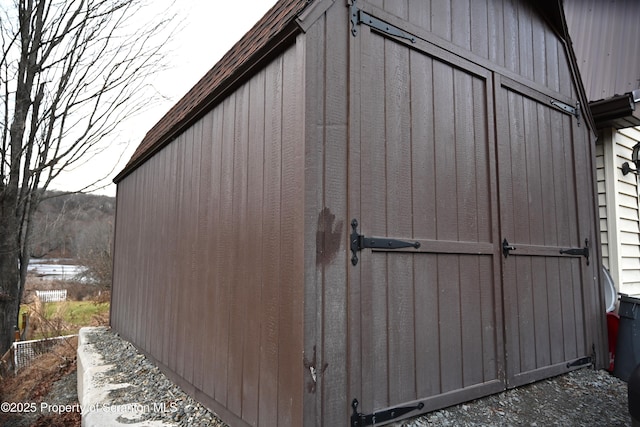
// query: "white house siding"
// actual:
[[618, 207], [602, 201], [628, 218]]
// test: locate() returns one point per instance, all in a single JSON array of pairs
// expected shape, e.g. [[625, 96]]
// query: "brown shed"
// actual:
[[382, 202]]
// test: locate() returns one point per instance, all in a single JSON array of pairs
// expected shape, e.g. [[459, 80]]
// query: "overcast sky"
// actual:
[[210, 29]]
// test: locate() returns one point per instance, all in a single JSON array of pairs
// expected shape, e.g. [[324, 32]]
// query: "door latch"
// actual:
[[506, 248]]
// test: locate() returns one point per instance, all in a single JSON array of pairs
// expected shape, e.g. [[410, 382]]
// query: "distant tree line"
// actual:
[[76, 226], [66, 225]]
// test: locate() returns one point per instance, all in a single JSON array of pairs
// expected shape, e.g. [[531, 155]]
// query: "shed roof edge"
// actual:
[[186, 112]]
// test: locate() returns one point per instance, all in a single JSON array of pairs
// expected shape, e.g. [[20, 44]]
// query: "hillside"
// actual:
[[71, 225]]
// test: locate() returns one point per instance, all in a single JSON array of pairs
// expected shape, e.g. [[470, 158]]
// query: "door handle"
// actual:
[[506, 248]]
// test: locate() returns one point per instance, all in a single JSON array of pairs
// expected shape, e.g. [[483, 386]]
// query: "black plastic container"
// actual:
[[628, 345], [634, 396]]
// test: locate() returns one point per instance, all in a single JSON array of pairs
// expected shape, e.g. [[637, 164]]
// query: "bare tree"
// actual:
[[95, 244], [70, 72]]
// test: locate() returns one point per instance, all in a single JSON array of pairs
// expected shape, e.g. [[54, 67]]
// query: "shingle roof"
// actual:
[[276, 24]]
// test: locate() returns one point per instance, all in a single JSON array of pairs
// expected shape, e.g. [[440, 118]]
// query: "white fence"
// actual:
[[52, 296], [25, 351]]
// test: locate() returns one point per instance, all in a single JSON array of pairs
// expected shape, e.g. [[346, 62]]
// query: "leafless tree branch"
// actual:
[[72, 71]]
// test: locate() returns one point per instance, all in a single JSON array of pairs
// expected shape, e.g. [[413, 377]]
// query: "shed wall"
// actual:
[[208, 276]]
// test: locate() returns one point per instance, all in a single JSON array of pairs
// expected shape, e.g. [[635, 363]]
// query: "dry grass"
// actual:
[[53, 319], [50, 378], [33, 383]]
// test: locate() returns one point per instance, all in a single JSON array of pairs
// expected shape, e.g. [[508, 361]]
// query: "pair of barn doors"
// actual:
[[490, 177]]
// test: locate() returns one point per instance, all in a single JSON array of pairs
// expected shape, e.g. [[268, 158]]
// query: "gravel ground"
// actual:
[[148, 385], [585, 397]]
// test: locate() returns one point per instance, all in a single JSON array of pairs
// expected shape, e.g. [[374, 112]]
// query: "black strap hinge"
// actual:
[[578, 251], [585, 361], [574, 111], [358, 242], [359, 17], [565, 107], [579, 363], [360, 420]]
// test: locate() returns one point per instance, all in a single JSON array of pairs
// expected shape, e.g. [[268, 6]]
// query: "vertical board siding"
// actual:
[[292, 236], [191, 172], [255, 203], [332, 353], [509, 33], [545, 294], [208, 231], [373, 214], [224, 272], [326, 346], [238, 283], [401, 345], [215, 221], [213, 248], [315, 224], [268, 404], [593, 302], [427, 320]]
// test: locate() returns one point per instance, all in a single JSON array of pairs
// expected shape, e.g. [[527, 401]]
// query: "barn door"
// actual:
[[472, 238], [546, 250], [425, 309]]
